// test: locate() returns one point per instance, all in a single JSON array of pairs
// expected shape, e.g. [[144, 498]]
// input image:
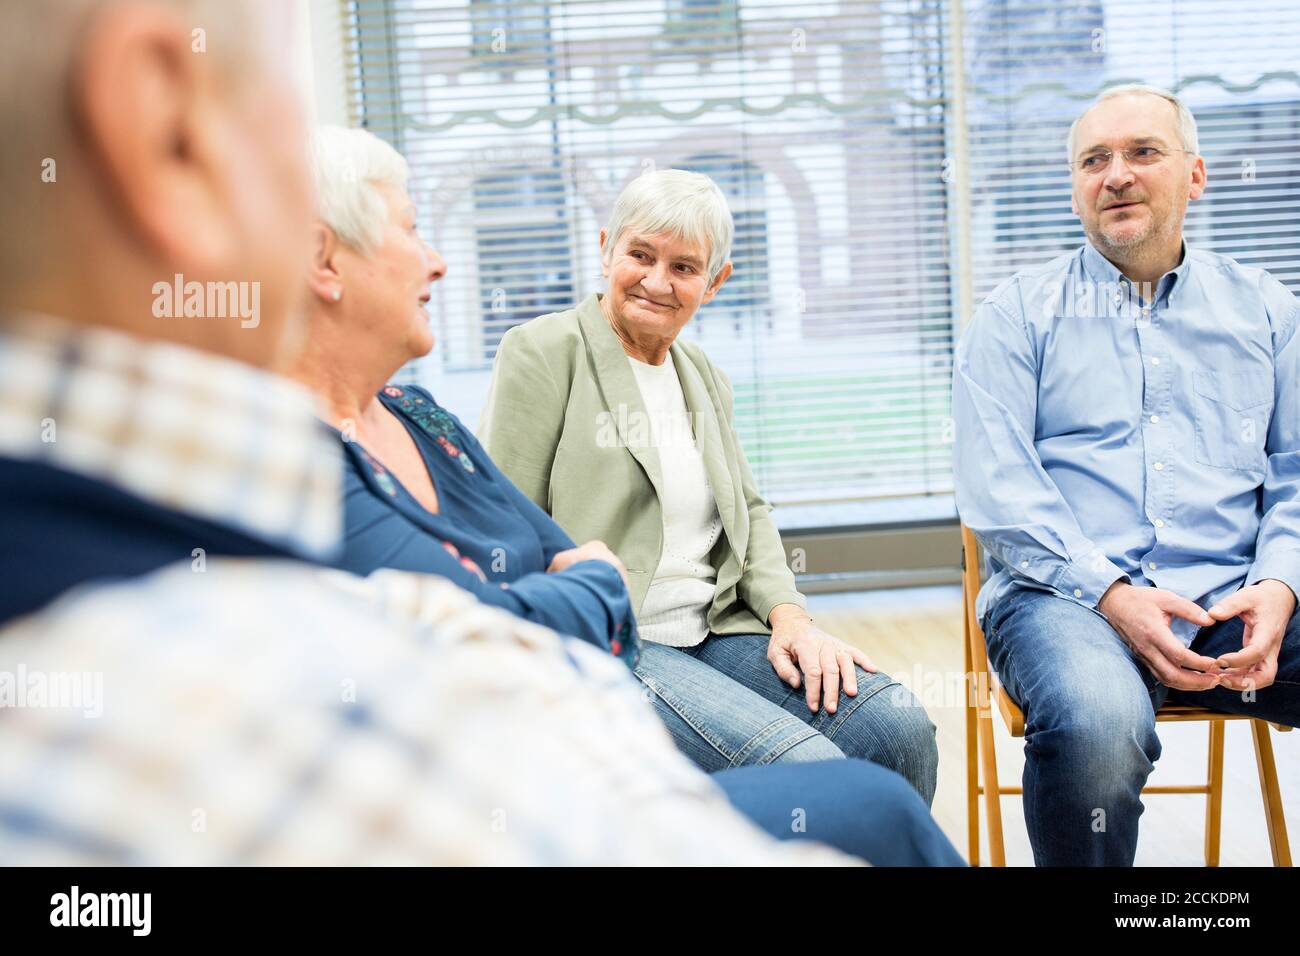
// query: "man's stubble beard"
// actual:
[[1155, 234]]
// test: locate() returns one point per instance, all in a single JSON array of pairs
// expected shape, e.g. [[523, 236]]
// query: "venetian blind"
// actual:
[[825, 124]]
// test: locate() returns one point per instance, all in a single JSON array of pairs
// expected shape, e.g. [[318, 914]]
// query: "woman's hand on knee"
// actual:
[[799, 649]]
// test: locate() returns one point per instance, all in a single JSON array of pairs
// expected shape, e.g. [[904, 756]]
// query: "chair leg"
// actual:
[[1214, 798], [972, 752], [992, 790], [1268, 788], [972, 784]]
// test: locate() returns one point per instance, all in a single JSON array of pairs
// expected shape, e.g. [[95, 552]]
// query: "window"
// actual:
[[506, 33], [700, 27], [1250, 209], [524, 262], [745, 296], [830, 126]]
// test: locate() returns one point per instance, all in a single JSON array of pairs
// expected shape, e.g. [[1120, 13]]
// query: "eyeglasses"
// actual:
[[1099, 160]]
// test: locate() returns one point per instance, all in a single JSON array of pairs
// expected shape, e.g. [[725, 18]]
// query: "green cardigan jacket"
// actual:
[[564, 420]]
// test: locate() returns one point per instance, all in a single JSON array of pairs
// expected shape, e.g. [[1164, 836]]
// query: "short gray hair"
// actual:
[[677, 202], [1186, 121], [346, 165]]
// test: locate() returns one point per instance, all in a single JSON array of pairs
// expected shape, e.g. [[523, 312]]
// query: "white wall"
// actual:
[[320, 59]]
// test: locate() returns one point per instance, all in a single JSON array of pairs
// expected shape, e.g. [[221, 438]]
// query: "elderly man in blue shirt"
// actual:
[[1128, 454]]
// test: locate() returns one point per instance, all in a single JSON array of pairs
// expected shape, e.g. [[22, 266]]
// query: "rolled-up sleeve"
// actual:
[[1277, 545], [1004, 495]]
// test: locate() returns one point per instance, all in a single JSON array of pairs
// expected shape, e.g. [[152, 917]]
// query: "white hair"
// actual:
[[1186, 122], [346, 165], [679, 203]]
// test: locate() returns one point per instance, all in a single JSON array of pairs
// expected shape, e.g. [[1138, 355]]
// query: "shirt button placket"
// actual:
[[1157, 449]]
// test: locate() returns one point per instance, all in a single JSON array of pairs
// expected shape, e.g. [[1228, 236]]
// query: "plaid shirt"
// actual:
[[258, 711]]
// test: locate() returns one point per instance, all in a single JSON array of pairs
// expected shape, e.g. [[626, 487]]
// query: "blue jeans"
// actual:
[[726, 707], [859, 808], [1090, 732]]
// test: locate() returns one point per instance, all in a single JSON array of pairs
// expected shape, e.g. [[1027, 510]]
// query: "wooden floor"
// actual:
[[915, 635]]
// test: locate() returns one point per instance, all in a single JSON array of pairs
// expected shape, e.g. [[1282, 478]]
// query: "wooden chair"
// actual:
[[983, 689]]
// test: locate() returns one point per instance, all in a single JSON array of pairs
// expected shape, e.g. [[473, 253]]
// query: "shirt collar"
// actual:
[[1102, 270], [1176, 279], [184, 429]]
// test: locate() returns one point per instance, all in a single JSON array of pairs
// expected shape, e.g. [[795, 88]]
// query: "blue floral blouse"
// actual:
[[487, 536]]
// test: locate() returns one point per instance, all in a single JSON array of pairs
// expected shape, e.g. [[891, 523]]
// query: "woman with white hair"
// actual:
[[623, 432], [422, 495]]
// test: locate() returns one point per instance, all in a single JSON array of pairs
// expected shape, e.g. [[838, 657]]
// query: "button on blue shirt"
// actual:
[[1103, 431]]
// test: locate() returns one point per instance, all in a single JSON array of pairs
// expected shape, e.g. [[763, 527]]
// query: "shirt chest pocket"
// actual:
[[1232, 412]]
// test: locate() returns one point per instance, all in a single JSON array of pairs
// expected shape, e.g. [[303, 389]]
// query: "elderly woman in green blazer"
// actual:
[[624, 434]]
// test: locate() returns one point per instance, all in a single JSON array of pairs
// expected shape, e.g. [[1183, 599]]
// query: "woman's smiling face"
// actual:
[[656, 285]]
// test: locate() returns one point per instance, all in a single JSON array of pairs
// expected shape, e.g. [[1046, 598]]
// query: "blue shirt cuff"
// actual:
[[1088, 580], [1281, 566]]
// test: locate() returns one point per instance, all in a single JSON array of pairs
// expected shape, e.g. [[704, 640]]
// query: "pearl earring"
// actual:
[[338, 294]]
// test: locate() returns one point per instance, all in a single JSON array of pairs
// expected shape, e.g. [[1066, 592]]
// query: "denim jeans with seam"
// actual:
[[1089, 706], [725, 707], [857, 807]]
